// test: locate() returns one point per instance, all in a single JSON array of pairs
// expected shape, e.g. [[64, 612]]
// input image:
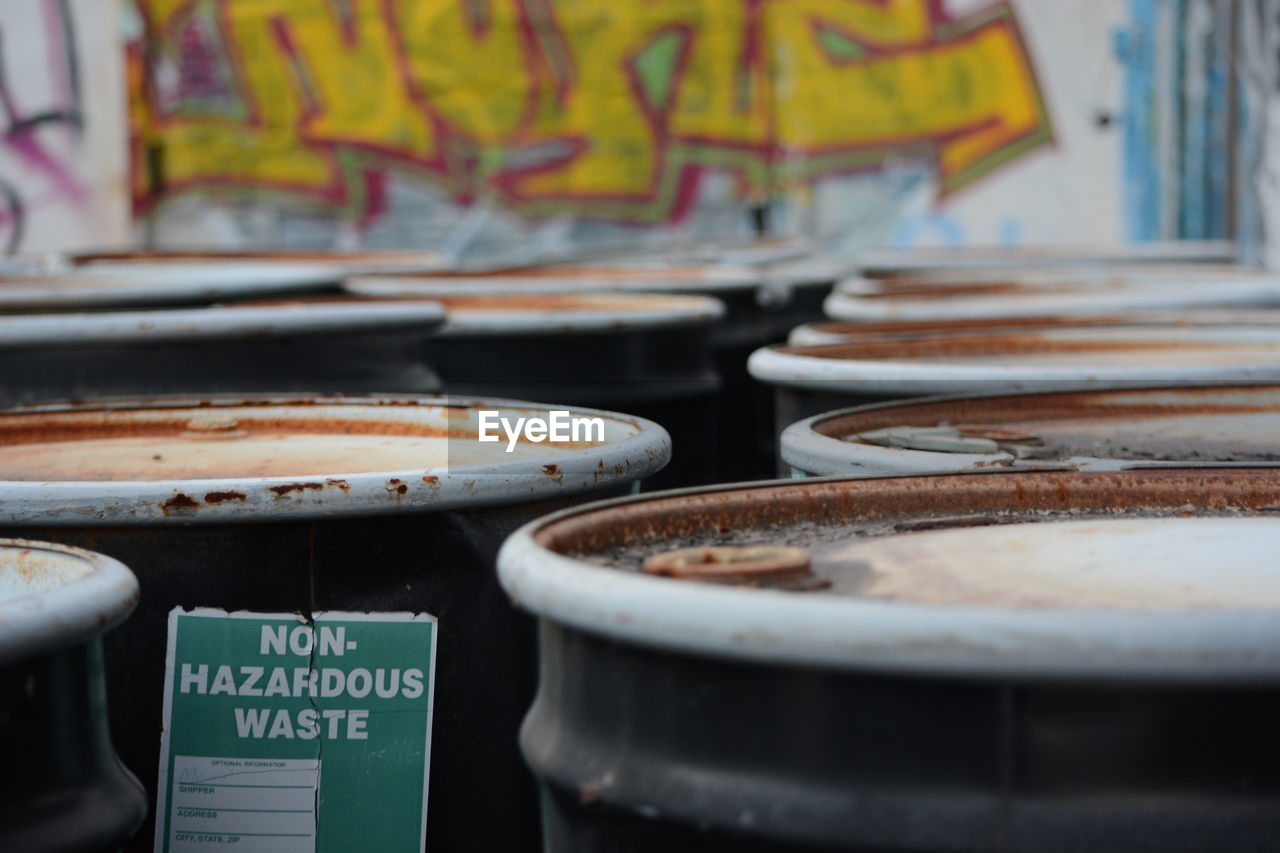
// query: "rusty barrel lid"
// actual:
[[963, 283], [835, 331], [560, 313], [1152, 575], [213, 323], [493, 314], [55, 596], [707, 279], [1097, 430], [1080, 293], [1037, 360], [890, 262], [235, 459], [347, 262], [782, 264], [163, 283]]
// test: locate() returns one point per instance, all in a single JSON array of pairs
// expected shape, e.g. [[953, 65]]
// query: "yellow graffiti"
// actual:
[[606, 108]]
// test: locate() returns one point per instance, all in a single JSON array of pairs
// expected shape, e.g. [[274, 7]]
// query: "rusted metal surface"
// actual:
[[970, 282], [468, 310], [891, 262], [1116, 344], [588, 302], [367, 260], [836, 331], [1001, 634], [26, 570], [1136, 565], [1086, 431], [853, 505], [958, 296], [1025, 413], [54, 596], [759, 566], [304, 504], [812, 380], [220, 459], [582, 568], [597, 273]]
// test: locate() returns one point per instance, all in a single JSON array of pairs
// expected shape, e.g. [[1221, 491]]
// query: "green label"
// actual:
[[284, 735]]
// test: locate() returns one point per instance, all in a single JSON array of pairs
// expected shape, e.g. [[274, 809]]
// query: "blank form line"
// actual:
[[247, 834], [203, 785], [262, 811]]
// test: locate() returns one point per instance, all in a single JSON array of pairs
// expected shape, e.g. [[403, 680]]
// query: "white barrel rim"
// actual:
[[68, 613], [643, 450], [776, 627]]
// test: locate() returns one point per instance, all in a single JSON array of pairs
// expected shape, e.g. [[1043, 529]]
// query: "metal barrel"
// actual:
[[649, 354], [645, 353], [1034, 661], [762, 302], [64, 788], [959, 295], [358, 262], [127, 285], [811, 380], [298, 507], [1095, 430], [888, 263], [318, 348], [836, 332]]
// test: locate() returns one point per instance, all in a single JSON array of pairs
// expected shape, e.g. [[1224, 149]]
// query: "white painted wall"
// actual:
[[1068, 193], [1258, 180], [62, 186]]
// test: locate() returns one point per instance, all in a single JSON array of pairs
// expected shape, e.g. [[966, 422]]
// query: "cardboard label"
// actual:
[[284, 735]]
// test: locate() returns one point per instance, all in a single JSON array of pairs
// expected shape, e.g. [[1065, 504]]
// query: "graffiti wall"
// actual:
[[63, 167], [397, 120]]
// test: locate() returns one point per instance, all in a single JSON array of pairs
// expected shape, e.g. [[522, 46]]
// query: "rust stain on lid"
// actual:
[[26, 571], [759, 566]]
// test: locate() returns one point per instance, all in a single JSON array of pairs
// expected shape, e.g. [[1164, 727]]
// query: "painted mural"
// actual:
[[605, 109]]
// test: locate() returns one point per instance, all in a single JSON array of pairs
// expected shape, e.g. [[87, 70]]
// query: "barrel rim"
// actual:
[[848, 300], [806, 449], [823, 332], [349, 262], [159, 284], [718, 278], [780, 365], [676, 311], [215, 322], [950, 257], [70, 613], [338, 494], [775, 627]]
